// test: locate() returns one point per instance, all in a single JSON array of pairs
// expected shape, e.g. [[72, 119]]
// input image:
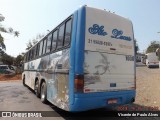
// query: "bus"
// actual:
[[86, 62], [152, 60]]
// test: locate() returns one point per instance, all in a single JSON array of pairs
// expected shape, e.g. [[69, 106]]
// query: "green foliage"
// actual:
[[18, 60], [153, 46], [5, 30], [1, 18], [10, 60], [136, 46], [6, 59], [2, 45]]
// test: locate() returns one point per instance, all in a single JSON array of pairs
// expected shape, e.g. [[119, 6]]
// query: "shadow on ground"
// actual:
[[140, 65], [107, 113]]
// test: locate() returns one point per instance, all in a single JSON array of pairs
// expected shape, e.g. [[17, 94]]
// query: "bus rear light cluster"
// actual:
[[79, 83]]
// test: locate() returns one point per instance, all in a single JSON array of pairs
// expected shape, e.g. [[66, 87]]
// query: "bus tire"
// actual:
[[43, 92], [24, 84], [36, 89]]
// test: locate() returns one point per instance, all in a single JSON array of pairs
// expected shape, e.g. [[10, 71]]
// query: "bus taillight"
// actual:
[[79, 83]]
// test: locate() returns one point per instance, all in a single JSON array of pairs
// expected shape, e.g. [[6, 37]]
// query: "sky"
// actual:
[[32, 17]]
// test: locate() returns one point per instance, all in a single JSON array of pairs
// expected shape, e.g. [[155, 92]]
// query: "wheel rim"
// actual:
[[42, 92], [36, 87]]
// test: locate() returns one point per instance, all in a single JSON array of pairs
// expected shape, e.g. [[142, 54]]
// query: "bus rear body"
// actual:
[[104, 60], [97, 69]]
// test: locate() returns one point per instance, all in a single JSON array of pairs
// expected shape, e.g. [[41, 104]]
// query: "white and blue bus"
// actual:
[[86, 62]]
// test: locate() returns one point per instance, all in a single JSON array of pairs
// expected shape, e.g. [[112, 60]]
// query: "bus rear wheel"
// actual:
[[36, 89], [44, 92]]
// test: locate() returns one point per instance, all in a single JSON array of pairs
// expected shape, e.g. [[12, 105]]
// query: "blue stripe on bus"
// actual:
[[80, 41], [72, 58], [76, 50], [90, 101]]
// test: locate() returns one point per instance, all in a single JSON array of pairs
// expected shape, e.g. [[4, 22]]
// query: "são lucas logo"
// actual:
[[99, 30], [96, 29]]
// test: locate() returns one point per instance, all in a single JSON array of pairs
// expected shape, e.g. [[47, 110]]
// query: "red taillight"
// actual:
[[79, 83]]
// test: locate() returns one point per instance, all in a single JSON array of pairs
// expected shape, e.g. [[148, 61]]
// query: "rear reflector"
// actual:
[[112, 49], [79, 83], [87, 90], [112, 84]]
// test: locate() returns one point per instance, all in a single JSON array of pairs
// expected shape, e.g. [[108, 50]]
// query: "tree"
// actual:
[[153, 46], [136, 46], [6, 59], [5, 30], [18, 60], [34, 41]]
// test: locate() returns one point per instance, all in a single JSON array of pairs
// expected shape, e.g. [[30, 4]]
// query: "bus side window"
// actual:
[[54, 40], [49, 39], [60, 37], [44, 46], [24, 58], [67, 33], [40, 48], [37, 49], [29, 55], [33, 52], [27, 59]]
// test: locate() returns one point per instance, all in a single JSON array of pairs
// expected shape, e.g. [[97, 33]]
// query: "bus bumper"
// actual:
[[88, 101]]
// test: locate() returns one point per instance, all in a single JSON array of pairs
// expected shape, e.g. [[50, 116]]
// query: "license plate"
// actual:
[[112, 101]]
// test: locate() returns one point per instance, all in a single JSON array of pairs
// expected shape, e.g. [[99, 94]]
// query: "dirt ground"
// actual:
[[147, 86], [5, 77]]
